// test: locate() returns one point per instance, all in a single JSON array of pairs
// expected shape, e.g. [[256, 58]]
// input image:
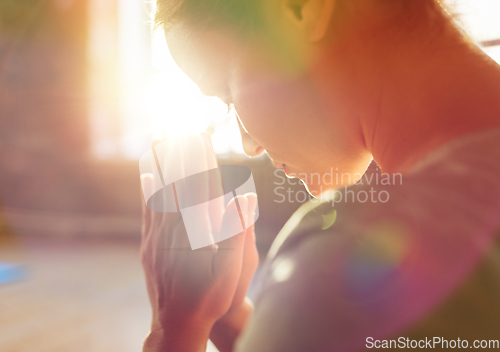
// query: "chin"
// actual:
[[316, 190], [318, 183]]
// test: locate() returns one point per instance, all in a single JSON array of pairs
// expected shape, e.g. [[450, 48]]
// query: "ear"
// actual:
[[311, 16]]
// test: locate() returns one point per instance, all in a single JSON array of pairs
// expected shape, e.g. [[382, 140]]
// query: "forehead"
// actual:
[[199, 52], [183, 46]]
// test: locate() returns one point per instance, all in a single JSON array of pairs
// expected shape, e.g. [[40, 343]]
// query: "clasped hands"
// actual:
[[197, 294]]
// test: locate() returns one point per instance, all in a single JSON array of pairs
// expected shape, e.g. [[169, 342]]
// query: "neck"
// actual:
[[410, 90]]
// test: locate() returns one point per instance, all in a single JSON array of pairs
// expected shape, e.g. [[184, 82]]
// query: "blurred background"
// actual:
[[85, 86]]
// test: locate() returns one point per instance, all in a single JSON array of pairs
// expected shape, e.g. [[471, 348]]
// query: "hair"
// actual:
[[247, 16], [242, 15]]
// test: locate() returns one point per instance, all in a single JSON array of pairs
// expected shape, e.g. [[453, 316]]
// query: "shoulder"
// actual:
[[342, 271]]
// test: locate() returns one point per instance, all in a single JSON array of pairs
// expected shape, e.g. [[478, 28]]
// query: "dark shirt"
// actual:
[[423, 264]]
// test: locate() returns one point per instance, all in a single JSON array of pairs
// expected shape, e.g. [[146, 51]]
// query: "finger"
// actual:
[[250, 220], [252, 207], [233, 223], [200, 151], [173, 158], [249, 245], [229, 255], [210, 186], [198, 232], [250, 255], [147, 187], [185, 155], [197, 187]]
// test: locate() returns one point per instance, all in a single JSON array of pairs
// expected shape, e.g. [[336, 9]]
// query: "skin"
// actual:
[[378, 82]]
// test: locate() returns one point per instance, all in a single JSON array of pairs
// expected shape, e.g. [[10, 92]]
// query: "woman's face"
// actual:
[[282, 102]]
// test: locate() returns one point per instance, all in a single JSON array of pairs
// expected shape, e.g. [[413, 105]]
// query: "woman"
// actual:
[[326, 85]]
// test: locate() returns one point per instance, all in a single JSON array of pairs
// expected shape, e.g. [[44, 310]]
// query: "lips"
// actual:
[[278, 165], [282, 166]]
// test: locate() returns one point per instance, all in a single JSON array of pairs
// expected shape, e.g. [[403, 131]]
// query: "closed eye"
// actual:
[[224, 95]]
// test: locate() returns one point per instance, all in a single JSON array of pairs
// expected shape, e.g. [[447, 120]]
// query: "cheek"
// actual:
[[286, 116], [276, 111]]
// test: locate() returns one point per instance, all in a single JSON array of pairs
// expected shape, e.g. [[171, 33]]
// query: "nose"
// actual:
[[250, 146]]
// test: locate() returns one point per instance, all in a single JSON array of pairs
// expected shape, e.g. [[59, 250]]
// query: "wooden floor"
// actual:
[[84, 295]]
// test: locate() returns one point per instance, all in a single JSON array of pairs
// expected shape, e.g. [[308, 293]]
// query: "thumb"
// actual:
[[252, 209]]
